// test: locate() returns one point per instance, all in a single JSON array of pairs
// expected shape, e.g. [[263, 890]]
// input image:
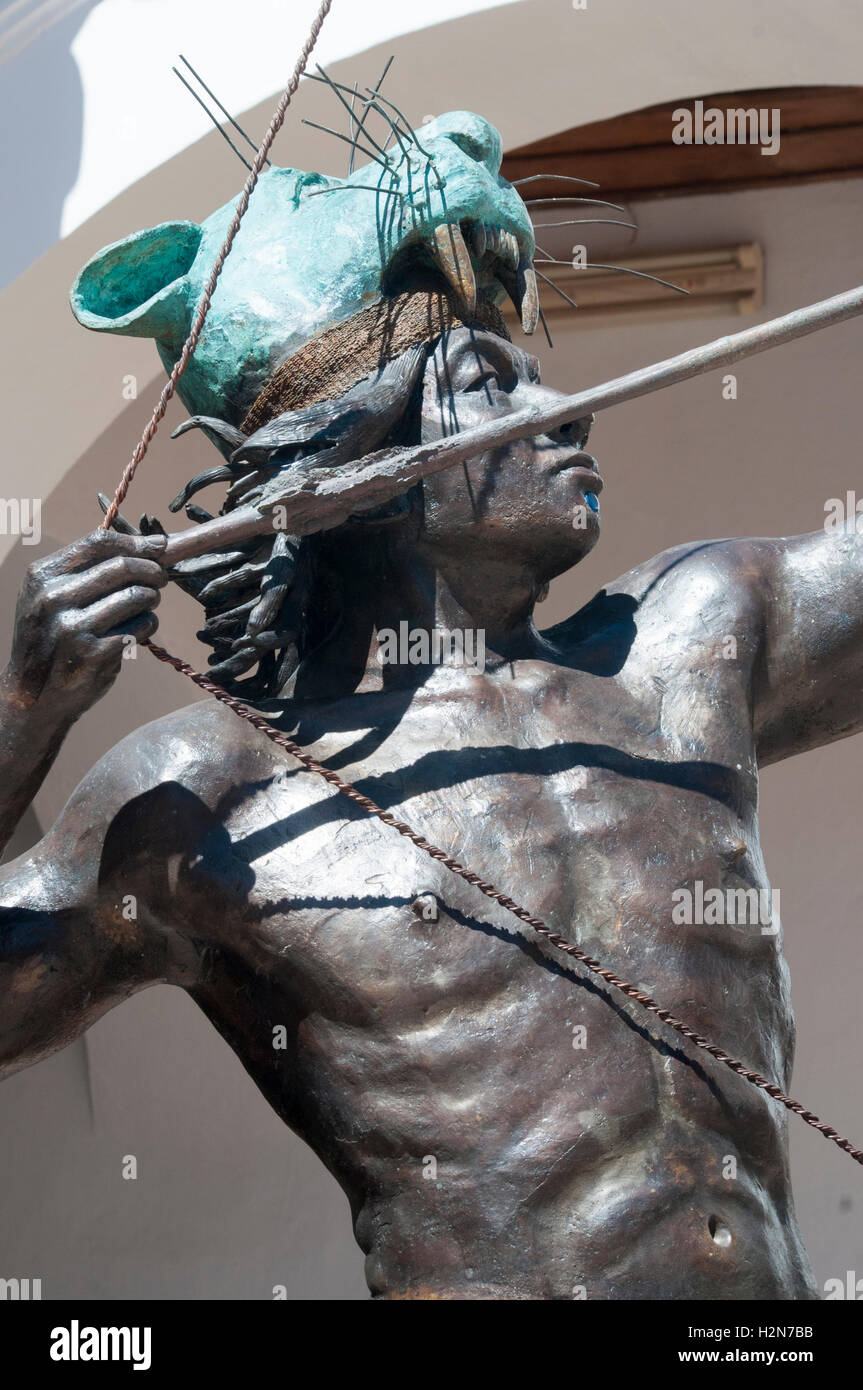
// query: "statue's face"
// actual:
[[536, 500]]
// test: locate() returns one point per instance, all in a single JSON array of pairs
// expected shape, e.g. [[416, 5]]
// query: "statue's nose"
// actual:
[[476, 137]]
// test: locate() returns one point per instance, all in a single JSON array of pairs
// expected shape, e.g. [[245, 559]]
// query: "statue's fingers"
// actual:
[[140, 628], [97, 546], [121, 571], [107, 613]]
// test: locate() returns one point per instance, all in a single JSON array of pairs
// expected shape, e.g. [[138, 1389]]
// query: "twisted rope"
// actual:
[[258, 722], [209, 289]]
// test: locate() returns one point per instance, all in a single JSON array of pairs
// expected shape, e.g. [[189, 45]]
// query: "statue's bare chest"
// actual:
[[564, 795], [392, 981]]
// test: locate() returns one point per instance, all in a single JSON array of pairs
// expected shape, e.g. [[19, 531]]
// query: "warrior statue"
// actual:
[[504, 1126]]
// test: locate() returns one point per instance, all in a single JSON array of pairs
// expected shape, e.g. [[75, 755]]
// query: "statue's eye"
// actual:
[[489, 379]]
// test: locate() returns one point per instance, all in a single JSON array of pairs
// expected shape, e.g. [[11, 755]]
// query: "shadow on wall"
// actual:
[[40, 153]]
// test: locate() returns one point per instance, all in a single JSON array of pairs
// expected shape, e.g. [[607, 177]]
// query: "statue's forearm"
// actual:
[[30, 739]]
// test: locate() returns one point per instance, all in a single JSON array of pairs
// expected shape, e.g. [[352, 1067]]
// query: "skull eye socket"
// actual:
[[475, 137]]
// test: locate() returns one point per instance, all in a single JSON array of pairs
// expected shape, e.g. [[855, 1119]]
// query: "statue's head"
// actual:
[[536, 500], [353, 314]]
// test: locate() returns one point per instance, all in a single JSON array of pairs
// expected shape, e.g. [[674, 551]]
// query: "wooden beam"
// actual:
[[821, 132], [721, 280]]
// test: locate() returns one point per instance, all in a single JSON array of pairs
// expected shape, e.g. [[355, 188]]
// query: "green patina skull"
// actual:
[[312, 252]]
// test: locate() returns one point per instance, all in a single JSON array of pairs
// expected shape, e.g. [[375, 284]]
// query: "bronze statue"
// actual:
[[504, 1126]]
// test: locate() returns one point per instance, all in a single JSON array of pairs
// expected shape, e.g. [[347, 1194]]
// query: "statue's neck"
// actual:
[[394, 594]]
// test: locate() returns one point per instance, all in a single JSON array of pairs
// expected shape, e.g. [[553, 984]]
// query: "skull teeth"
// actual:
[[509, 249], [503, 247], [530, 299], [520, 285], [453, 259], [487, 242]]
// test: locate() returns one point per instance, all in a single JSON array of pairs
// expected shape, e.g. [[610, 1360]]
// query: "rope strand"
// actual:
[[209, 289]]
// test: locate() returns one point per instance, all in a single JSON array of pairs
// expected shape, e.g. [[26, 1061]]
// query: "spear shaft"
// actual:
[[314, 499]]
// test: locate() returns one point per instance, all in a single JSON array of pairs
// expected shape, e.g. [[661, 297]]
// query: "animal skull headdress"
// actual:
[[319, 326], [314, 252]]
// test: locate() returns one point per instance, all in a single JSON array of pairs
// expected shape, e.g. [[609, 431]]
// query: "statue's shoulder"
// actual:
[[707, 563], [683, 581], [202, 749]]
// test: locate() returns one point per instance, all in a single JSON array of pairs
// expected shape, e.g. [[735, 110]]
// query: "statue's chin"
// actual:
[[562, 546]]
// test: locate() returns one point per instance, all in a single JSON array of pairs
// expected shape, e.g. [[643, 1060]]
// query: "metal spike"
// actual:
[[573, 198], [224, 134], [380, 82], [545, 327], [368, 103], [353, 143], [408, 127], [557, 178], [551, 284], [587, 222], [622, 270], [395, 130], [224, 110], [325, 77], [354, 133]]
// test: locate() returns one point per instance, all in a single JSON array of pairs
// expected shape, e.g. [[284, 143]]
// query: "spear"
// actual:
[[308, 499]]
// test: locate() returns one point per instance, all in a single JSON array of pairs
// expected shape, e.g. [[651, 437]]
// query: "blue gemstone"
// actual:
[[592, 501]]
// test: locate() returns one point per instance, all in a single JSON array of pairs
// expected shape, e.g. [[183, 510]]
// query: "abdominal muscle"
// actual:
[[508, 1128]]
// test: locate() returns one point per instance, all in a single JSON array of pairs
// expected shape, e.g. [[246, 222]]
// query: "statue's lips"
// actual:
[[583, 467]]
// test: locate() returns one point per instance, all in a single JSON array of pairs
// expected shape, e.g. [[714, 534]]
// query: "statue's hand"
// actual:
[[77, 612]]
